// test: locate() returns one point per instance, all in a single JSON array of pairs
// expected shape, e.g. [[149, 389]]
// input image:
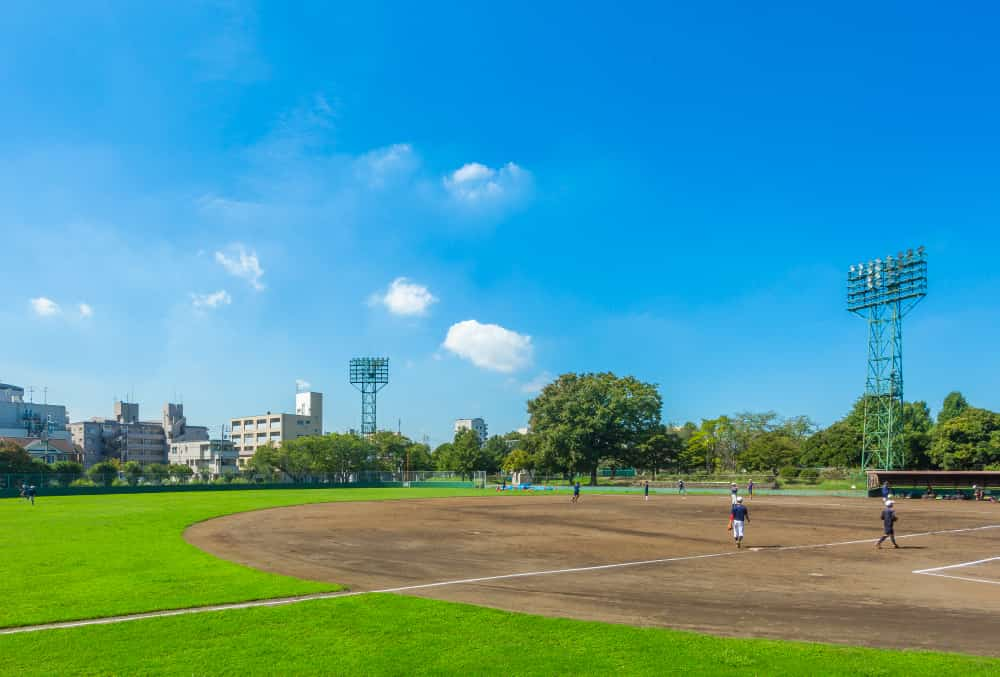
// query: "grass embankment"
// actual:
[[386, 634], [72, 557]]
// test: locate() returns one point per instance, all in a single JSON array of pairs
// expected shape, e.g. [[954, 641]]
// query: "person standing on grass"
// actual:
[[888, 523], [31, 494], [680, 488], [576, 492], [645, 490], [738, 517]]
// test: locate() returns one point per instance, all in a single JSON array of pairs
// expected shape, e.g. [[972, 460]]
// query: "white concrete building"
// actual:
[[477, 424], [249, 433], [212, 457]]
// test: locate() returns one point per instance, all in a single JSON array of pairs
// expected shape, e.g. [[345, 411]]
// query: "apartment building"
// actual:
[[39, 429], [477, 424], [127, 438], [249, 433]]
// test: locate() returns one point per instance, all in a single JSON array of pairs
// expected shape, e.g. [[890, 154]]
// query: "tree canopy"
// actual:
[[580, 420]]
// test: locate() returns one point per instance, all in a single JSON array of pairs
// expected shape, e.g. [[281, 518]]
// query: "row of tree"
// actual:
[[580, 422]]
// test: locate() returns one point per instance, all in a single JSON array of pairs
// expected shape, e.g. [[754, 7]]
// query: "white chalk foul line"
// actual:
[[282, 601], [934, 571]]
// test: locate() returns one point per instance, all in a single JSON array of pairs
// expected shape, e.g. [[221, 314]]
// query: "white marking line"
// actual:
[[934, 571], [282, 601]]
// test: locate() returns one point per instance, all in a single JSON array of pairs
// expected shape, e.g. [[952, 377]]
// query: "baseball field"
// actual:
[[430, 581]]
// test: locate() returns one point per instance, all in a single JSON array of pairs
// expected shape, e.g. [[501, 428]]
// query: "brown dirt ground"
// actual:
[[849, 594]]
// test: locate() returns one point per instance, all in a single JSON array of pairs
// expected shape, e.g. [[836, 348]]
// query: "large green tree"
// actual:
[[954, 404], [465, 454], [14, 458], [580, 420], [967, 441]]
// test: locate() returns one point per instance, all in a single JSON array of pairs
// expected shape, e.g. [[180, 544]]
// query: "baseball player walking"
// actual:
[[739, 516]]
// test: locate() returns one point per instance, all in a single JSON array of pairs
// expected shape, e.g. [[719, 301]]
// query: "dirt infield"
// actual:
[[802, 575]]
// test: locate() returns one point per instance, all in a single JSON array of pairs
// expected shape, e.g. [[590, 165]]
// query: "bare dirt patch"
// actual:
[[833, 592]]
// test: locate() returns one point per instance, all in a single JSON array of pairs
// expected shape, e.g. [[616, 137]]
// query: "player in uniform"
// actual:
[[576, 492], [734, 492], [680, 488], [645, 490], [888, 522], [738, 517], [750, 489]]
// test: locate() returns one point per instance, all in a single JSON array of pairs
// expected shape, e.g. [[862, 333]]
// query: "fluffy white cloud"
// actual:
[[213, 300], [302, 384], [536, 384], [489, 346], [44, 307], [476, 185], [242, 263], [404, 298], [85, 310]]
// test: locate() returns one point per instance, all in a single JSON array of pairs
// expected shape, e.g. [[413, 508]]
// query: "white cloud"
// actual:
[[213, 300], [478, 186], [243, 264], [404, 298], [380, 166], [302, 384], [536, 384], [44, 307], [489, 346], [85, 310]]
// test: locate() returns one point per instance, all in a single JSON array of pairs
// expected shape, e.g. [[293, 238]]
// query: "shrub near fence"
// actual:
[[54, 484]]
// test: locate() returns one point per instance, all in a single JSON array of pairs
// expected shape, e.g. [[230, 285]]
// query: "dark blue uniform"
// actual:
[[888, 525]]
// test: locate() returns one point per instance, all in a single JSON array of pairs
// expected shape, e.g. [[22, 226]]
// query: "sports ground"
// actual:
[[809, 573]]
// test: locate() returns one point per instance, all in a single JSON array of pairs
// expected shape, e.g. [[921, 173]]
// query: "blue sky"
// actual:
[[214, 200]]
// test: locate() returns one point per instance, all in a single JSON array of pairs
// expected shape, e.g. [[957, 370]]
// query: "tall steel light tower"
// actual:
[[883, 291], [369, 375]]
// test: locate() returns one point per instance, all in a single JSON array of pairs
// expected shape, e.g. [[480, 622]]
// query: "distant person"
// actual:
[[31, 494], [930, 492], [645, 491], [576, 492], [738, 517], [750, 489], [503, 487], [889, 525], [885, 491], [24, 491], [680, 488], [734, 492]]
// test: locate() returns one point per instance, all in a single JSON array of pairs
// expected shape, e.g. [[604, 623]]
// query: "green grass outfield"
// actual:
[[78, 557], [73, 557], [388, 634]]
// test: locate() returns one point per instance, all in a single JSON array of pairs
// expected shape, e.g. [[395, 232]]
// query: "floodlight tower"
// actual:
[[883, 291], [369, 375]]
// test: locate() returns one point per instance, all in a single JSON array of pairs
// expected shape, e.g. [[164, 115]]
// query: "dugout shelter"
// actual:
[[914, 483]]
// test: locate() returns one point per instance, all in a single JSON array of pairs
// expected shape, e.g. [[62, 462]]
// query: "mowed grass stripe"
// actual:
[[76, 557], [394, 635]]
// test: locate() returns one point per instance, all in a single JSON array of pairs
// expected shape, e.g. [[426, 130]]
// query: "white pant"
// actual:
[[737, 529], [732, 498]]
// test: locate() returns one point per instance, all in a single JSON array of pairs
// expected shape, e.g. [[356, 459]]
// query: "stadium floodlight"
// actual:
[[883, 300], [369, 375]]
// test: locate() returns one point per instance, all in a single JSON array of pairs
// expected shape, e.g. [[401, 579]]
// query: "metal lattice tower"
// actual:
[[369, 375], [883, 292]]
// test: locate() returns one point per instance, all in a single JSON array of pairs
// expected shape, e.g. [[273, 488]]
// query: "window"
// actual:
[[275, 420], [298, 421]]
